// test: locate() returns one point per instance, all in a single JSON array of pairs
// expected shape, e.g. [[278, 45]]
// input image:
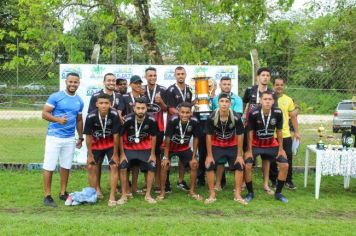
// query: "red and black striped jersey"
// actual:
[[148, 129], [173, 132], [153, 108], [115, 98], [223, 134], [174, 97], [265, 137], [127, 104], [250, 97], [93, 127]]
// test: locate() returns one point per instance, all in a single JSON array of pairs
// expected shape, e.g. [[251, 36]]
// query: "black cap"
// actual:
[[224, 95], [135, 79]]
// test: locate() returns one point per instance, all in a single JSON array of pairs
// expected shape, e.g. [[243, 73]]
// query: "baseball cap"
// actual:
[[135, 79], [224, 95]]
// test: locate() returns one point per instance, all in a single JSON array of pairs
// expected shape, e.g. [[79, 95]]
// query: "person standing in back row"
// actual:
[[286, 104], [176, 94]]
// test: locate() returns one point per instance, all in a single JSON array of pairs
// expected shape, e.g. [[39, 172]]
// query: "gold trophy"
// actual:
[[320, 144], [202, 92]]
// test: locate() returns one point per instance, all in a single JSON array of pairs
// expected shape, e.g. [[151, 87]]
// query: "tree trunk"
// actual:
[[114, 46], [255, 64], [147, 32]]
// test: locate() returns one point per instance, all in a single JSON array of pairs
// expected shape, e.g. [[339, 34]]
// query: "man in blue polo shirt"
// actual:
[[236, 101], [63, 110], [236, 106]]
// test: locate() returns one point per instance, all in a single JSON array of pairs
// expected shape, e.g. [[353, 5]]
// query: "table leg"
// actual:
[[317, 176], [346, 182], [306, 166]]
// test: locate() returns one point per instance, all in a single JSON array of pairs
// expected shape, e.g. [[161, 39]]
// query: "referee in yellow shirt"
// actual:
[[286, 104]]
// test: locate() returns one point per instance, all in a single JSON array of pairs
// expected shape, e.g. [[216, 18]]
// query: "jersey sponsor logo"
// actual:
[[190, 128], [263, 135], [99, 133], [131, 138], [176, 139]]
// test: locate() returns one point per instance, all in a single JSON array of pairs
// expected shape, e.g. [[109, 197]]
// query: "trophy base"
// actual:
[[320, 146], [202, 108]]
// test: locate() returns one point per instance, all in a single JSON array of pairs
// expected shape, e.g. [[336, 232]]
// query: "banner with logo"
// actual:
[[92, 80]]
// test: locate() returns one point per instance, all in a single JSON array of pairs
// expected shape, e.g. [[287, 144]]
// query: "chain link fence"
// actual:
[[25, 89]]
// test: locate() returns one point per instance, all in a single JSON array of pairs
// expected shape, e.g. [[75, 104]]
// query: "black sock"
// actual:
[[249, 187], [280, 184]]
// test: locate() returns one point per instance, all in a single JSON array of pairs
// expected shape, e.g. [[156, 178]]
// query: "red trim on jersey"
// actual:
[[223, 143], [144, 144], [102, 143], [268, 142], [175, 147]]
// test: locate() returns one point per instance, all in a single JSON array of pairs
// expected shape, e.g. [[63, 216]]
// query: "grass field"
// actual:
[[22, 212], [23, 140]]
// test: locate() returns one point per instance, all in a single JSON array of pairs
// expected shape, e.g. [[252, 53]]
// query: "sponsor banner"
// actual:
[[92, 80]]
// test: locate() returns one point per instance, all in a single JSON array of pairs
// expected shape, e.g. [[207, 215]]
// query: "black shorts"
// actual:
[[184, 156], [266, 153], [159, 141], [226, 153], [99, 155], [140, 157]]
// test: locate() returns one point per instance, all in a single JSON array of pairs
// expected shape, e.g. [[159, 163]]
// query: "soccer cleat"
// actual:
[[64, 196], [290, 185], [280, 197], [183, 185], [48, 201], [249, 197], [168, 189]]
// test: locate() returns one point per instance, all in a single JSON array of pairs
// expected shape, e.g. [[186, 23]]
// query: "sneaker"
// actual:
[[48, 201], [280, 197], [168, 189], [183, 185], [249, 197], [64, 196], [290, 185]]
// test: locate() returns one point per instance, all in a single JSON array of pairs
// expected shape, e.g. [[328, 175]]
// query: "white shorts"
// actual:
[[61, 149]]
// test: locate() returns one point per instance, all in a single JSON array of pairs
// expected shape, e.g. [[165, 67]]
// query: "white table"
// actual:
[[330, 162]]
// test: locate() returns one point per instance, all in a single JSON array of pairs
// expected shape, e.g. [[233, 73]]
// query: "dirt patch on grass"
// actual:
[[12, 210]]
